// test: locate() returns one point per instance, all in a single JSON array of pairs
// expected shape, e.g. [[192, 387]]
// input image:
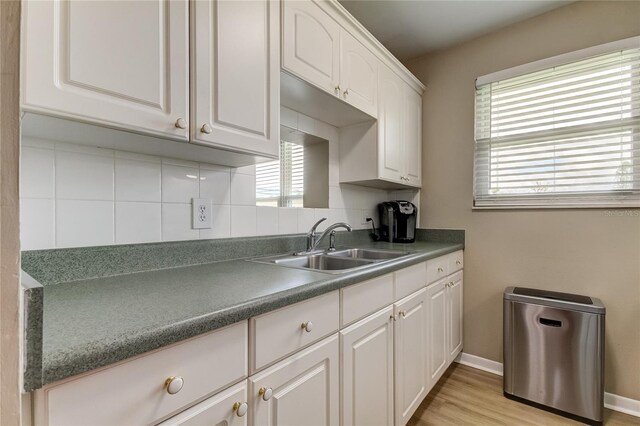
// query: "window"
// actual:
[[561, 136], [280, 183]]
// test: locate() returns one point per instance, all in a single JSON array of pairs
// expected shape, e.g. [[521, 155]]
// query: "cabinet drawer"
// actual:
[[362, 299], [134, 392], [410, 279], [437, 268], [456, 261], [220, 409], [276, 334]]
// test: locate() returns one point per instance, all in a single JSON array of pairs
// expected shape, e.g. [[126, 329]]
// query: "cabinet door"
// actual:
[[454, 308], [236, 75], [413, 136], [311, 45], [438, 349], [303, 389], [411, 356], [224, 408], [367, 371], [116, 63], [390, 153], [358, 74]]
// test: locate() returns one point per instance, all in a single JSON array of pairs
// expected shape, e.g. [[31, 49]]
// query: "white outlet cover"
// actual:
[[201, 213]]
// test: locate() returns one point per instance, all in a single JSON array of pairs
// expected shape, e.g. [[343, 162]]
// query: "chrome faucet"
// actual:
[[332, 236], [311, 235]]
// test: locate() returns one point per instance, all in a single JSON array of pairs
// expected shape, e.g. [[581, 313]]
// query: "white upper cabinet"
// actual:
[[358, 74], [236, 75], [412, 135], [311, 45], [318, 50], [122, 64], [391, 159]]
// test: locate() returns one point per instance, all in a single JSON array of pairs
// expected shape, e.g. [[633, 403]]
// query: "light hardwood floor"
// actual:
[[468, 396]]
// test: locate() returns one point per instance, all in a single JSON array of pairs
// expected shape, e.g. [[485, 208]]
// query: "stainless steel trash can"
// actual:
[[554, 351]]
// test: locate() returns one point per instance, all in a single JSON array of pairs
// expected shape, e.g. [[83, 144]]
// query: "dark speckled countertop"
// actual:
[[95, 322]]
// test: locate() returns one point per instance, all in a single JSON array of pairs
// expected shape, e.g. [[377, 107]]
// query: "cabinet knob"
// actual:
[[393, 317], [457, 262], [173, 384], [240, 408], [307, 326], [337, 90], [265, 393], [403, 314], [181, 123], [206, 128], [440, 270], [346, 93]]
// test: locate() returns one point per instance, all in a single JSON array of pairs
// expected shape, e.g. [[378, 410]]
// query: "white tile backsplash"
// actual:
[[179, 183], [74, 195], [267, 220], [215, 184], [37, 223], [243, 190], [176, 222], [138, 180], [243, 221], [81, 176], [84, 223], [287, 220], [221, 223], [138, 222], [37, 174]]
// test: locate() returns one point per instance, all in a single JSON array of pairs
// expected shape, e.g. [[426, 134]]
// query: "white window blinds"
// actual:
[[280, 183], [563, 136]]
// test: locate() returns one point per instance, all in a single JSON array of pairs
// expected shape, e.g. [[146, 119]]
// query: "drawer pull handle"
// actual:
[[440, 269], [181, 123], [173, 384], [240, 408], [307, 326], [265, 393]]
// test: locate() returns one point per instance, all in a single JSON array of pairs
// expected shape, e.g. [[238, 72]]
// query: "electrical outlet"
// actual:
[[364, 215], [201, 213]]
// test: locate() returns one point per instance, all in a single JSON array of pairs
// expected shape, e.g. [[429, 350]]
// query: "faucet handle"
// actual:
[[315, 225]]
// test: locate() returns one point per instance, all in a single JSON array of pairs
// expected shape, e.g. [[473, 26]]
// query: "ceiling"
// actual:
[[410, 28]]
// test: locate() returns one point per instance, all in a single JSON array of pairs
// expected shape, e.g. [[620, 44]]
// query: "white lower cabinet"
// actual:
[[454, 314], [411, 356], [437, 323], [229, 408], [366, 350], [300, 390], [445, 324]]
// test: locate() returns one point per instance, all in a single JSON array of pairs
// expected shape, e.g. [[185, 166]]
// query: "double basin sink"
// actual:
[[335, 262]]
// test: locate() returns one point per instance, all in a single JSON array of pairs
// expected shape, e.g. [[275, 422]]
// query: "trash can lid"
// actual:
[[556, 299]]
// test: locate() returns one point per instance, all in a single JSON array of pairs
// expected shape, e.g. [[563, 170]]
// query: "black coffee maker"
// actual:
[[397, 221]]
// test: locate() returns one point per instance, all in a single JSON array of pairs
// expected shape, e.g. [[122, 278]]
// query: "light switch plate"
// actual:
[[201, 213]]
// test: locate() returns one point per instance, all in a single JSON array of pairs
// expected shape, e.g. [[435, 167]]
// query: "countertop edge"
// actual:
[[132, 346]]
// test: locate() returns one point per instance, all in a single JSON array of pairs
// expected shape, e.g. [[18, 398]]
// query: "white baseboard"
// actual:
[[611, 401]]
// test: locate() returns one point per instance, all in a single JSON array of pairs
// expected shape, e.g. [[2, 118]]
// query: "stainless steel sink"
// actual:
[[321, 262], [334, 262], [369, 254]]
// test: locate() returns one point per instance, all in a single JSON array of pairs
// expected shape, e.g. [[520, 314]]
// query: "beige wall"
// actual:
[[9, 236], [594, 252]]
